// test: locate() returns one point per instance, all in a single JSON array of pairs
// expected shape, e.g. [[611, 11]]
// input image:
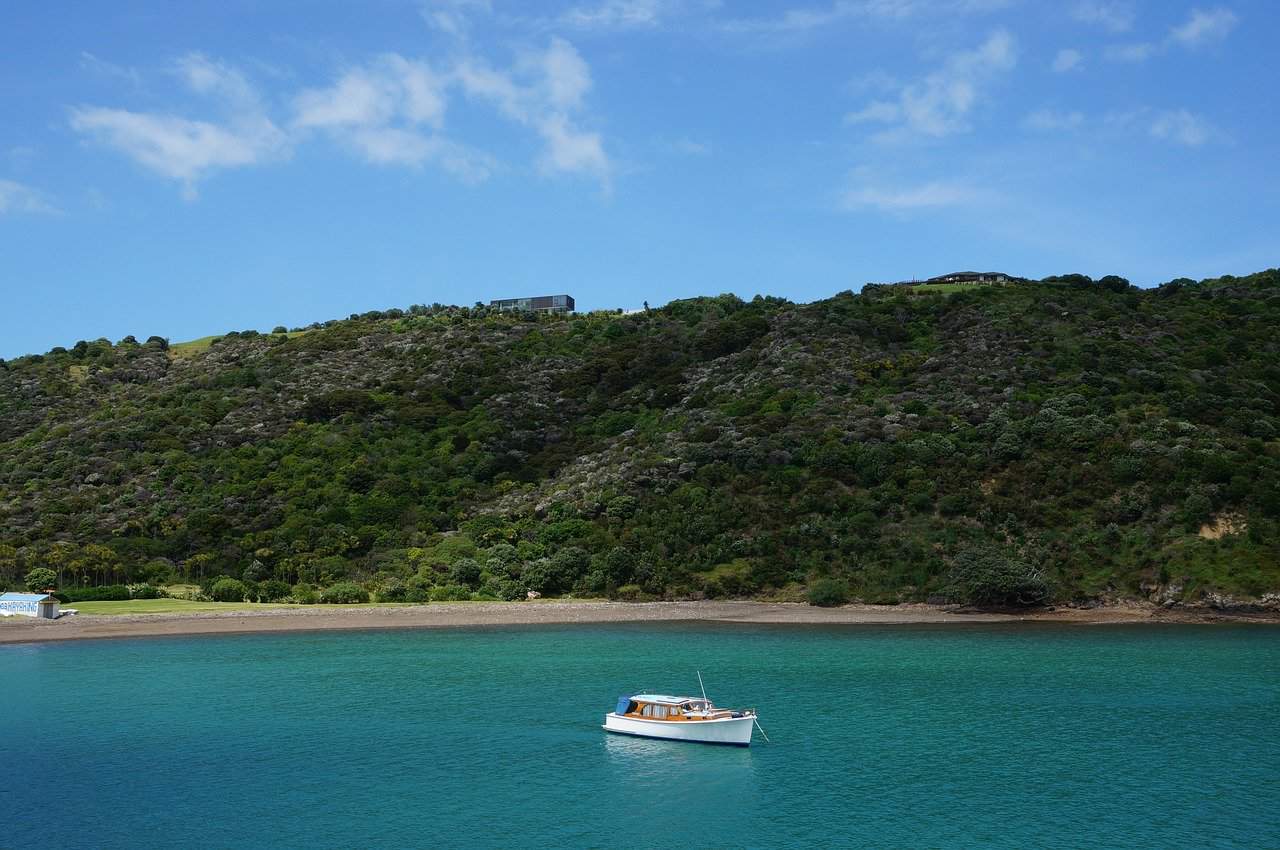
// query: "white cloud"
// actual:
[[1112, 15], [217, 80], [1051, 120], [179, 148], [933, 195], [940, 103], [187, 149], [615, 15], [390, 111], [1205, 27], [18, 198], [1066, 60], [543, 91], [1181, 127]]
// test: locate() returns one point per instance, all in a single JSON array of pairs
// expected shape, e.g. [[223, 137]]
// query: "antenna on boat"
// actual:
[[704, 690]]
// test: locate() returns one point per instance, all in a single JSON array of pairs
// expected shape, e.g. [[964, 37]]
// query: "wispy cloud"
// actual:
[[543, 91], [1201, 29], [390, 111], [453, 17], [615, 15], [932, 195], [1177, 126], [684, 147], [1139, 51], [1051, 120], [1067, 60], [187, 149], [939, 104], [806, 19], [1113, 15], [103, 68], [17, 197], [1205, 27], [1181, 127]]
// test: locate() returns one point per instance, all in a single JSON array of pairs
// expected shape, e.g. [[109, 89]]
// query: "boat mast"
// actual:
[[704, 692]]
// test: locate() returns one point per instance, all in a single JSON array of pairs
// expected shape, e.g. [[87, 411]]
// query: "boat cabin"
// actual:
[[662, 707]]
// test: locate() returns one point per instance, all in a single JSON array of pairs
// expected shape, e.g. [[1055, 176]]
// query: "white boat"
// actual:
[[680, 719]]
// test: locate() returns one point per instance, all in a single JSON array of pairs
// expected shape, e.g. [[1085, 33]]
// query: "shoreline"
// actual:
[[567, 612]]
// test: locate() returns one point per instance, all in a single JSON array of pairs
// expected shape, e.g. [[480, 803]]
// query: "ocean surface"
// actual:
[[906, 737]]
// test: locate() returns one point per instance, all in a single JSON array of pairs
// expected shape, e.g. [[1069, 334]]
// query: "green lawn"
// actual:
[[948, 287], [163, 606], [193, 347]]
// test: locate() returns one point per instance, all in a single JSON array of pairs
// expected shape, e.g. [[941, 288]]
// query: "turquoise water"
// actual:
[[882, 737]]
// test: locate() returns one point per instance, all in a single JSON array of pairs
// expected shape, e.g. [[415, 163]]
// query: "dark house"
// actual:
[[537, 304], [971, 277]]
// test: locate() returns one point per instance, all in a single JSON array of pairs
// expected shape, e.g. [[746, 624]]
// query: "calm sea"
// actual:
[[902, 737]]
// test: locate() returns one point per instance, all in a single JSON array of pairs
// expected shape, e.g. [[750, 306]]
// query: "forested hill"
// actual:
[[1121, 441]]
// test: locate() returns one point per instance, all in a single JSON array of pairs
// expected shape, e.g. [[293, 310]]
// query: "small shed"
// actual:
[[42, 605]]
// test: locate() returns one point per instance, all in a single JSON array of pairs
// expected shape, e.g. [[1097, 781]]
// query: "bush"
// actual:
[[344, 593], [450, 593], [273, 590], [416, 594], [512, 591], [228, 590], [992, 577], [304, 594], [144, 591], [828, 593], [392, 590]]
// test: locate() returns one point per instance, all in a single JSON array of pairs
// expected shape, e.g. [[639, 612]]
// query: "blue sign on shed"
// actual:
[[29, 605]]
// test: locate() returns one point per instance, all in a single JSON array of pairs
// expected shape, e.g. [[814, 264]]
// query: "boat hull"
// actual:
[[735, 731]]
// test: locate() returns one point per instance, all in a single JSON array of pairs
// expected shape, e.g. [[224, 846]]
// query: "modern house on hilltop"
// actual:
[[537, 304], [971, 277]]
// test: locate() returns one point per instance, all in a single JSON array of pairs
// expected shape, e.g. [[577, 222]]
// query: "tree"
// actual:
[[41, 578], [989, 576]]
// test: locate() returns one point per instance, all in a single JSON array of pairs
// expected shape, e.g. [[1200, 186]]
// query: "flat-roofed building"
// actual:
[[40, 605], [536, 304]]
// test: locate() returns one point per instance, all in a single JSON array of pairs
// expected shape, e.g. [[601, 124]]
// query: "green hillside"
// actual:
[[1112, 441]]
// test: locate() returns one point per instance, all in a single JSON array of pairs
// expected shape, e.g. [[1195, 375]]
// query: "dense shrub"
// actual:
[[228, 590], [344, 593], [105, 593], [145, 591], [450, 593], [273, 590], [304, 594], [828, 593]]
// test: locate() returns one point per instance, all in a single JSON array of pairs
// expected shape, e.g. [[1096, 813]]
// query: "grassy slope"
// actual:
[[163, 606]]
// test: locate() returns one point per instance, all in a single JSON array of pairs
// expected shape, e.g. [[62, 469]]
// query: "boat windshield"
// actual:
[[695, 705]]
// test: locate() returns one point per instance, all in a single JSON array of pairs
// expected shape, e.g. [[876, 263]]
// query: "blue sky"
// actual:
[[241, 165]]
